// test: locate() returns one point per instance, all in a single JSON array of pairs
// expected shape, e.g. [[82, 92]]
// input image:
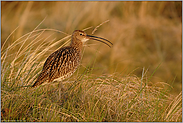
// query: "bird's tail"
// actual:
[[37, 82]]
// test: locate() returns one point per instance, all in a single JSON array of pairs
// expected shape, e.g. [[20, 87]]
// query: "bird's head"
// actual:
[[83, 37], [80, 35]]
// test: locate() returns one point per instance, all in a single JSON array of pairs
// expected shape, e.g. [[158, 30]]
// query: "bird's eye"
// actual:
[[81, 34]]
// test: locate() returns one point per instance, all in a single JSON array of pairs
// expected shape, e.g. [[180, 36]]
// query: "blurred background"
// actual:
[[144, 34]]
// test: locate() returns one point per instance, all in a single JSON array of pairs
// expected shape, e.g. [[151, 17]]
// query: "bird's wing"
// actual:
[[58, 64], [44, 75]]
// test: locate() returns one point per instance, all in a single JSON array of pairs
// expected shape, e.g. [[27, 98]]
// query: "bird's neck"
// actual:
[[76, 44]]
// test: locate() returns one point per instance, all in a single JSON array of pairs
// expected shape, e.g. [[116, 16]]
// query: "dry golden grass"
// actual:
[[147, 44], [144, 33]]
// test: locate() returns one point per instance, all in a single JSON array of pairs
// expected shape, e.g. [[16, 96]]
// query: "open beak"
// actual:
[[103, 40]]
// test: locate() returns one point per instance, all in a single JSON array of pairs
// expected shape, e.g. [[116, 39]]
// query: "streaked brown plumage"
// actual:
[[63, 63]]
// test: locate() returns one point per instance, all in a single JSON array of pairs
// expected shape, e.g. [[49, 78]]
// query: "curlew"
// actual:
[[62, 63]]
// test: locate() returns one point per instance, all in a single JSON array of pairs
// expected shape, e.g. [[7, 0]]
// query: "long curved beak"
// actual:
[[103, 40]]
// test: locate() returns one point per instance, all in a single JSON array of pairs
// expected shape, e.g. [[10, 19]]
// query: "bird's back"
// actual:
[[59, 65]]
